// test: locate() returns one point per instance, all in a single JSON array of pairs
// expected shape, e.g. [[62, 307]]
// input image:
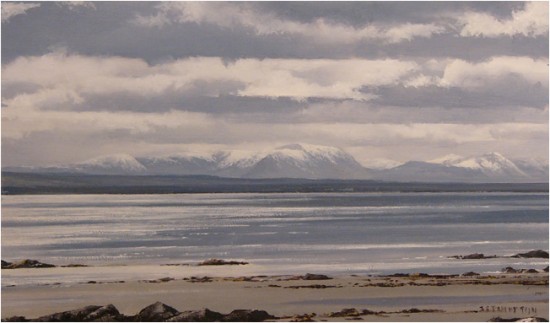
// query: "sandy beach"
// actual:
[[411, 297]]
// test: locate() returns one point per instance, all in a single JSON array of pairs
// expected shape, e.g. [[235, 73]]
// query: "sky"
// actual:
[[385, 81]]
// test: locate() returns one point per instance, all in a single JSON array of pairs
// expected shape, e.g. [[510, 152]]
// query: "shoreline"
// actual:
[[398, 297]]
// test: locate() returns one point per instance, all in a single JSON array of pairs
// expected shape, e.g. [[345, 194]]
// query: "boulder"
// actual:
[[203, 315], [15, 319], [474, 256], [315, 277], [351, 312], [107, 313], [157, 312], [525, 319], [247, 316], [529, 271], [510, 270], [545, 269], [78, 315], [27, 263], [470, 274], [220, 262], [532, 254], [5, 265]]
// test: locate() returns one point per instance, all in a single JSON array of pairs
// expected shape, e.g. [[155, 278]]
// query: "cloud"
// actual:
[[264, 22], [12, 9], [59, 77], [532, 21], [77, 5], [497, 69]]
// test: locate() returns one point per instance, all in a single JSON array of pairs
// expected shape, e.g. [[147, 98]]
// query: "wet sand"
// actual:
[[443, 298]]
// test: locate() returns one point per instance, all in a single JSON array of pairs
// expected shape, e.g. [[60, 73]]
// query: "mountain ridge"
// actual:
[[308, 162]]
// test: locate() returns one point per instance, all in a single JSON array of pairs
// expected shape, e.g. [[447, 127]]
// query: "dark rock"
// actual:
[[157, 312], [529, 271], [510, 270], [416, 310], [247, 316], [27, 263], [220, 262], [204, 315], [419, 275], [470, 274], [5, 265], [315, 277], [204, 279], [345, 313], [74, 266], [399, 275], [303, 318], [15, 318], [532, 254], [473, 256], [516, 319], [107, 313], [77, 315], [545, 269]]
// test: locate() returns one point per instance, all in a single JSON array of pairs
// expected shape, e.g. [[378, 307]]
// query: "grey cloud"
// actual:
[[108, 31], [511, 93], [359, 13]]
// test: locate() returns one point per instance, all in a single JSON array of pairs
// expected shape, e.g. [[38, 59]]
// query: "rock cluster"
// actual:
[[473, 256], [532, 254], [511, 270], [221, 262], [157, 312], [525, 319], [27, 263]]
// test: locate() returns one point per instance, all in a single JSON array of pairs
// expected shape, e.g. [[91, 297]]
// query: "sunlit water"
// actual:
[[340, 233]]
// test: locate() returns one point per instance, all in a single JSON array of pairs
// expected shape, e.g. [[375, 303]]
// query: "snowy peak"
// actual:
[[447, 160], [306, 152], [118, 163], [490, 164], [307, 161]]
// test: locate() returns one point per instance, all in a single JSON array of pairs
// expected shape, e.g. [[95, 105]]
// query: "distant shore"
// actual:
[[66, 183], [399, 297]]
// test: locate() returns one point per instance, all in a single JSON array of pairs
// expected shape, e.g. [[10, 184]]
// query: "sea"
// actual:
[[284, 233]]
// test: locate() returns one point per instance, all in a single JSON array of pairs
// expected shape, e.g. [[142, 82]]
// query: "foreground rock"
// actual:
[[511, 270], [92, 313], [525, 319], [157, 312], [309, 276], [473, 256], [532, 254], [221, 262], [204, 315], [27, 263], [247, 316]]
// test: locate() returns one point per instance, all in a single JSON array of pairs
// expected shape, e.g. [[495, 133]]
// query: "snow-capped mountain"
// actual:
[[490, 164], [490, 167], [312, 162], [112, 164], [307, 161]]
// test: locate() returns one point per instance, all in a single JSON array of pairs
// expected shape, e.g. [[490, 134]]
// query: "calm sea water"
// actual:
[[362, 233]]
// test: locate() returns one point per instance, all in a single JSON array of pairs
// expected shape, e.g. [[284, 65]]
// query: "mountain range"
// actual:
[[309, 162]]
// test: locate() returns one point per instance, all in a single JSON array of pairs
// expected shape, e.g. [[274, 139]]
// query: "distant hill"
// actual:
[[309, 162], [70, 183]]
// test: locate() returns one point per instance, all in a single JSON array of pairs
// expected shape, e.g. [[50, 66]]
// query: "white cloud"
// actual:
[[77, 5], [232, 15], [12, 9], [474, 75], [532, 21], [59, 77]]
